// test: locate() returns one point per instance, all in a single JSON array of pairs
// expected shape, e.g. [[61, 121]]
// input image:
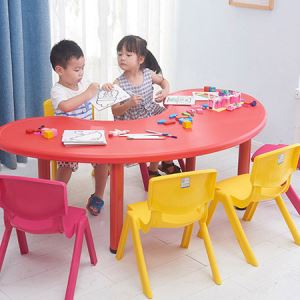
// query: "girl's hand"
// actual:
[[92, 90], [107, 87], [161, 95], [134, 100]]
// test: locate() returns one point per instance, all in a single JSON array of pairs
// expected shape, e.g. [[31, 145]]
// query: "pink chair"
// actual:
[[40, 206], [290, 192]]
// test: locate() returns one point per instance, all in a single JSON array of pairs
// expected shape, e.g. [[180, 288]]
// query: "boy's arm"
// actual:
[[163, 83], [74, 102]]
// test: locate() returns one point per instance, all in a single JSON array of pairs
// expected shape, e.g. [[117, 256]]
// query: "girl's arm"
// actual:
[[163, 83], [120, 108], [74, 102]]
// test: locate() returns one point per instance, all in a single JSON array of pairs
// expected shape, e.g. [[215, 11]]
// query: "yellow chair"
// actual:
[[270, 177], [174, 201], [48, 112]]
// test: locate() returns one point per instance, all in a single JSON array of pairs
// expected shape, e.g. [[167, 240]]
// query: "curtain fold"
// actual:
[[24, 58]]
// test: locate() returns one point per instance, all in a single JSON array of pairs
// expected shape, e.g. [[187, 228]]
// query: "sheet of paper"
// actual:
[[180, 100], [84, 137], [106, 99]]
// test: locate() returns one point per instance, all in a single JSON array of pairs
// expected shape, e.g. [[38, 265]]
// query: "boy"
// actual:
[[71, 97]]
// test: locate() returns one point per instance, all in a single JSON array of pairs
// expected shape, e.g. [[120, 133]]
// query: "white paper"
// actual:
[[84, 137], [106, 99], [180, 100]]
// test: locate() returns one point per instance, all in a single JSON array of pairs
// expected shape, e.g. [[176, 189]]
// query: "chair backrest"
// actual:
[[179, 199], [32, 204], [48, 108], [273, 170]]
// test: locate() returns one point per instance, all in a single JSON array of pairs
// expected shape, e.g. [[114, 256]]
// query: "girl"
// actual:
[[141, 71]]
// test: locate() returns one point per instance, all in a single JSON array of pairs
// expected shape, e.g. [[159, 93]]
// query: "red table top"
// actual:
[[211, 131]]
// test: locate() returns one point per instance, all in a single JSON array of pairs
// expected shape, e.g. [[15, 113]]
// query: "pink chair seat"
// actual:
[[41, 207]]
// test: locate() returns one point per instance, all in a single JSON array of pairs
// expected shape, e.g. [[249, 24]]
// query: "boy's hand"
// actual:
[[92, 90], [107, 86], [161, 95], [134, 100]]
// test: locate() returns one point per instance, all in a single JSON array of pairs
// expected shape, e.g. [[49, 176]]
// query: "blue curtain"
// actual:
[[25, 76]]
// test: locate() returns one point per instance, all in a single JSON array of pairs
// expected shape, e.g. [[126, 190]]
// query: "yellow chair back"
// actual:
[[48, 108], [272, 171], [177, 200]]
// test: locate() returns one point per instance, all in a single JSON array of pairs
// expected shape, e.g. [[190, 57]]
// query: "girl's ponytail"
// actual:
[[151, 63]]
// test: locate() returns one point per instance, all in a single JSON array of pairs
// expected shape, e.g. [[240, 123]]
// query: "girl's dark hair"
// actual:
[[134, 43], [63, 51]]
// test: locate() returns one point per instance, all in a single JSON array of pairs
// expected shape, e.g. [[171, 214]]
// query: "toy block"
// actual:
[[181, 117], [169, 122], [212, 89], [187, 124], [191, 111], [199, 111], [186, 114], [161, 121], [204, 106], [206, 89], [172, 116], [48, 134], [181, 120]]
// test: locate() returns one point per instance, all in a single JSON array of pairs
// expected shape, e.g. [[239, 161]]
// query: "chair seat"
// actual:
[[238, 187], [141, 211]]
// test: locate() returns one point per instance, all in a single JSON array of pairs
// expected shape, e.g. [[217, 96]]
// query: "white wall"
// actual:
[[254, 51]]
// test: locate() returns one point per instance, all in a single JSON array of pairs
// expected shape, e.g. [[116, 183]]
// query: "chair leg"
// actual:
[[288, 220], [123, 239], [250, 210], [239, 233], [211, 210], [90, 242], [210, 254], [4, 243], [294, 198], [145, 175], [53, 169], [138, 249], [186, 237], [75, 262], [181, 164], [22, 241]]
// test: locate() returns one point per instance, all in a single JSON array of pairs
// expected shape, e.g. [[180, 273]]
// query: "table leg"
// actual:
[[190, 164], [44, 168], [244, 157], [116, 204]]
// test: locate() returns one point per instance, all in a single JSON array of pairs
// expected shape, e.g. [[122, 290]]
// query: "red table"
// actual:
[[211, 132]]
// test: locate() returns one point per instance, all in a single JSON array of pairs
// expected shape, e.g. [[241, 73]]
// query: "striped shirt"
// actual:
[[148, 107], [61, 93]]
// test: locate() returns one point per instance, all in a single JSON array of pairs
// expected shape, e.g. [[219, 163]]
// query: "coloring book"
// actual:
[[106, 99], [84, 137]]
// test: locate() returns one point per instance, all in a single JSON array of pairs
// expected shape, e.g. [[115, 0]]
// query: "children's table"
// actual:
[[211, 132]]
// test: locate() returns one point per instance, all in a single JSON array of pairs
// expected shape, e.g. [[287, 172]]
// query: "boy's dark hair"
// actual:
[[134, 43], [63, 51]]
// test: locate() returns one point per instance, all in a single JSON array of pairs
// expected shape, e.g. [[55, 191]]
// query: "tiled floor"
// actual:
[[175, 273]]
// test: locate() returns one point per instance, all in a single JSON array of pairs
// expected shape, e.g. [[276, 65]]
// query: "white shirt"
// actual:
[[61, 93]]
